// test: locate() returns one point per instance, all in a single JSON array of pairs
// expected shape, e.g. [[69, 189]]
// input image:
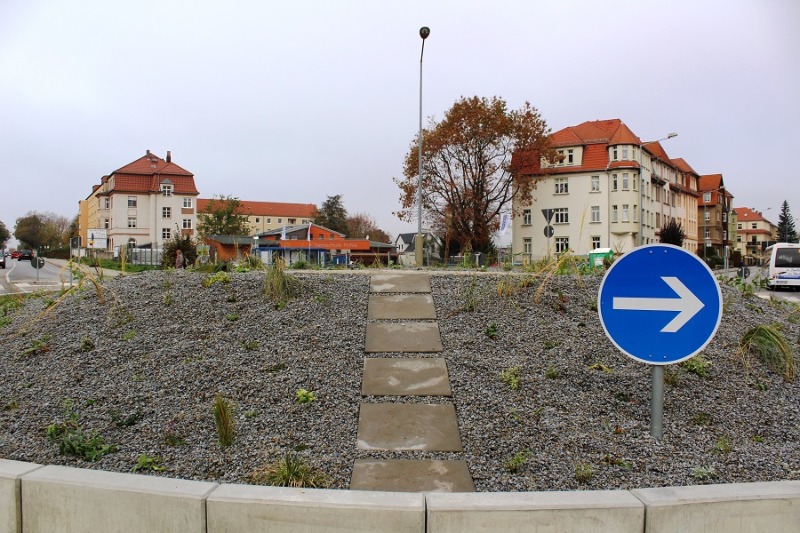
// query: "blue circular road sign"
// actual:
[[660, 304]]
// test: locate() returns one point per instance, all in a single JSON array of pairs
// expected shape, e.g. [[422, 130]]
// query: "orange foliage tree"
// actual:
[[467, 175]]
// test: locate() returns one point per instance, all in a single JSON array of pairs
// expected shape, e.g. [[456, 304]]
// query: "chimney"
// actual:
[[169, 156], [148, 152]]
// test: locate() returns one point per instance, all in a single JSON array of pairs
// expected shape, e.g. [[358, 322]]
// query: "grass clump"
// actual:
[[223, 417], [704, 473], [145, 462], [697, 365], [280, 287], [516, 463], [768, 342], [38, 346], [723, 445], [584, 472], [511, 377], [87, 344], [73, 440], [303, 396], [289, 471]]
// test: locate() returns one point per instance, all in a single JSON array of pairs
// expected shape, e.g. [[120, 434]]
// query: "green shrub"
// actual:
[[768, 342], [73, 440], [697, 365], [511, 377], [304, 396], [145, 462], [290, 471]]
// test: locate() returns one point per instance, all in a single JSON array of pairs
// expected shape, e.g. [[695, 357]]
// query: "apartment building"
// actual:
[[141, 204], [266, 216], [606, 189], [754, 233], [714, 211]]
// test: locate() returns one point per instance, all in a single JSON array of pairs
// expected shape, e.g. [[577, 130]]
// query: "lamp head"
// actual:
[[671, 135], [424, 32]]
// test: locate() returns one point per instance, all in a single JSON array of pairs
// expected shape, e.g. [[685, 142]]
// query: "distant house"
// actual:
[[141, 204], [319, 245], [754, 234], [265, 216], [406, 248]]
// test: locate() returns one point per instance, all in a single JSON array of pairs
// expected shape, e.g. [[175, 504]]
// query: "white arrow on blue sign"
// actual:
[[660, 304]]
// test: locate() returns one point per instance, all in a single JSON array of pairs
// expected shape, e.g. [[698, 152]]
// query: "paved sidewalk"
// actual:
[[402, 319]]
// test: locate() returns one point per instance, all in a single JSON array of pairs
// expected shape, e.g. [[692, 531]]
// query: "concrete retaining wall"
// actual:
[[36, 498]]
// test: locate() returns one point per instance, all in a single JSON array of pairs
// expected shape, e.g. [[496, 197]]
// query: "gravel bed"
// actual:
[[165, 345]]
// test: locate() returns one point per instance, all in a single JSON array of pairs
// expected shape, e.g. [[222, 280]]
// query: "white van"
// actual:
[[783, 269]]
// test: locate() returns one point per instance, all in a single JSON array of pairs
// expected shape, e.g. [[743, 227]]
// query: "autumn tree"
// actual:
[[40, 230], [362, 224], [786, 230], [4, 234], [467, 178], [222, 216], [332, 214], [672, 233]]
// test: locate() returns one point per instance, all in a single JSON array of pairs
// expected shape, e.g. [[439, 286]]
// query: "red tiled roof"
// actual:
[[682, 165], [149, 164], [252, 208], [709, 182], [152, 183], [750, 215]]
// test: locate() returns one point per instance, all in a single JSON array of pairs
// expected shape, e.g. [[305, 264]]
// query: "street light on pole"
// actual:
[[641, 183], [418, 240]]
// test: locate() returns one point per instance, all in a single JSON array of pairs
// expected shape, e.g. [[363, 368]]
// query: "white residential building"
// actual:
[[607, 189]]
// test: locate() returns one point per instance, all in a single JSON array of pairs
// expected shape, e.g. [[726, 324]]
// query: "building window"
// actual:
[[707, 233], [724, 235], [187, 202], [131, 201], [754, 225], [526, 217], [614, 153], [269, 221], [613, 182], [106, 223], [595, 213], [106, 203], [166, 234], [526, 245], [706, 196], [280, 221], [562, 187], [625, 152], [724, 217], [595, 183], [562, 244], [131, 222], [626, 182], [738, 238], [166, 212], [166, 189], [614, 212], [739, 226], [570, 158], [635, 213], [187, 223], [292, 221], [595, 242], [625, 213], [560, 157], [561, 215], [706, 216]]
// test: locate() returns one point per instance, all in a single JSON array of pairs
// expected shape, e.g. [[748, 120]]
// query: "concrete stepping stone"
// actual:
[[423, 427], [401, 282], [411, 476], [405, 377], [403, 337], [401, 306]]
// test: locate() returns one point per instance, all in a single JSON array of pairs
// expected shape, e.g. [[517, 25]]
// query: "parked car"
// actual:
[[3, 261], [15, 254], [25, 255]]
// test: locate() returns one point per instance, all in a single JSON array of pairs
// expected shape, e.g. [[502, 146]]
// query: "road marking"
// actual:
[[687, 304]]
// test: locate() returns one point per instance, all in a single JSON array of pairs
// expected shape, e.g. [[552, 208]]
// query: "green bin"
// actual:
[[599, 255]]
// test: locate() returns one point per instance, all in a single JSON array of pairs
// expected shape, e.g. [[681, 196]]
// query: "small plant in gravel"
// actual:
[[511, 377], [73, 440], [220, 277], [275, 367], [250, 346], [250, 413], [516, 463], [280, 287], [549, 345], [701, 419], [584, 472], [289, 471], [87, 344], [491, 331], [303, 396], [722, 445], [622, 396], [671, 377], [768, 342], [129, 335], [232, 317], [171, 435], [11, 405], [552, 373], [125, 420], [145, 462], [697, 365], [223, 417], [757, 439], [38, 346], [599, 365], [611, 460], [704, 473], [469, 295]]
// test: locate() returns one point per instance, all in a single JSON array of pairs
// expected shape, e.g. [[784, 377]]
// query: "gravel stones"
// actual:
[[165, 346]]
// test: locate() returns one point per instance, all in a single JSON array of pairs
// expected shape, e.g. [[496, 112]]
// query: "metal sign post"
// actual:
[[548, 230], [660, 305]]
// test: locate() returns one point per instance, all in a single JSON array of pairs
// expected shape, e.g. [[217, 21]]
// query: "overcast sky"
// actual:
[[297, 101]]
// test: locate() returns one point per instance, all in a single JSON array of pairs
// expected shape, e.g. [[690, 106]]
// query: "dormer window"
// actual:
[[570, 157], [166, 189]]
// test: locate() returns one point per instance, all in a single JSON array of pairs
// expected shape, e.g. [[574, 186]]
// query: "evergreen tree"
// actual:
[[786, 231], [332, 214], [672, 233]]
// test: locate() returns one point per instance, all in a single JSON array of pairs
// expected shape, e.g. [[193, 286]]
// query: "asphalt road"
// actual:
[[20, 276]]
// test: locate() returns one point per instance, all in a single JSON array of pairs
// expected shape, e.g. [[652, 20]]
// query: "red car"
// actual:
[[15, 254]]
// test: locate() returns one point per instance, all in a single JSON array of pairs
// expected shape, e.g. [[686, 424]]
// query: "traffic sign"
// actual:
[[37, 262], [548, 231], [548, 214], [660, 304]]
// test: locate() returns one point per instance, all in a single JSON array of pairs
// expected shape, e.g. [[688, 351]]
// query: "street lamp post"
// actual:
[[641, 183], [418, 241]]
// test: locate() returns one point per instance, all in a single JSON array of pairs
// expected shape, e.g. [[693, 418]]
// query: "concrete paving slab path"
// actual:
[[400, 282], [423, 427], [405, 377], [411, 476], [403, 337], [401, 306]]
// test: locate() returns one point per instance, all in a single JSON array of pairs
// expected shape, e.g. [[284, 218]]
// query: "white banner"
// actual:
[[505, 221]]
